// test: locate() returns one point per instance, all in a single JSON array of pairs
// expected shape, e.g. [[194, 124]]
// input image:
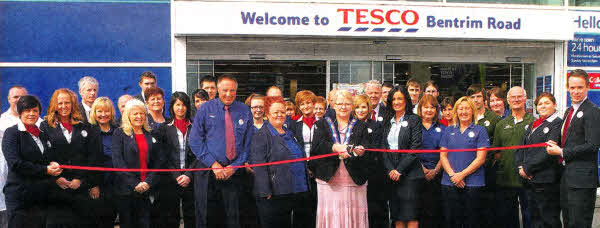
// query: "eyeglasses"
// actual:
[[257, 107]]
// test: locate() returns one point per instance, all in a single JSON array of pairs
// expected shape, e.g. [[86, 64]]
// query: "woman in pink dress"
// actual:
[[342, 179]]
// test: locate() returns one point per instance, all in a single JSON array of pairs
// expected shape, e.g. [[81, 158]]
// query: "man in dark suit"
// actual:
[[578, 148], [88, 90], [373, 91], [220, 137], [147, 80]]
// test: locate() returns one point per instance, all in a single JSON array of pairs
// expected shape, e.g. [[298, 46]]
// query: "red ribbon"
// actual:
[[293, 160]]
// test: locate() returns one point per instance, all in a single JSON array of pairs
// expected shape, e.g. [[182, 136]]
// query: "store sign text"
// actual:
[[391, 17]]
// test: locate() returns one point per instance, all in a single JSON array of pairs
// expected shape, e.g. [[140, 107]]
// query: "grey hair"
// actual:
[[373, 83], [87, 80]]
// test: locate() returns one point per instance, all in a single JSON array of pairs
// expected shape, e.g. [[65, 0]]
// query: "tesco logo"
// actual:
[[379, 16]]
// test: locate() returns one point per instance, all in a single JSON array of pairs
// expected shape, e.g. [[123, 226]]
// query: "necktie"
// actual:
[[372, 114], [566, 127], [229, 136], [564, 134]]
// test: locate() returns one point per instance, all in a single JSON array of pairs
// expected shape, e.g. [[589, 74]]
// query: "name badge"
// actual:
[[84, 133], [379, 118], [546, 130], [369, 130], [471, 134], [437, 129], [579, 114], [405, 123], [486, 123], [526, 126], [241, 122]]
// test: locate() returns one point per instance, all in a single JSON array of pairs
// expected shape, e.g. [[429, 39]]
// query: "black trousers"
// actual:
[[377, 200], [105, 208], [249, 215], [30, 217], [211, 193], [506, 207], [431, 211], [577, 205], [547, 205], [134, 210], [169, 196], [461, 206], [282, 211]]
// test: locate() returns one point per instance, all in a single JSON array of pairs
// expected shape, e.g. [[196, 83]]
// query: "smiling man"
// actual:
[[579, 154], [220, 137], [509, 191]]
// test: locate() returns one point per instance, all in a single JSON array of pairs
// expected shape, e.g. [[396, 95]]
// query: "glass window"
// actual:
[[196, 70], [584, 3], [525, 2]]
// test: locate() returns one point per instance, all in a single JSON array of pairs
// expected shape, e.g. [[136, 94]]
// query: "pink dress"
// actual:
[[341, 203]]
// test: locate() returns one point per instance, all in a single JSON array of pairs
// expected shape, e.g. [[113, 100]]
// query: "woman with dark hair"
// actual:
[[134, 147], [497, 102], [539, 170], [279, 188], [32, 168], [155, 101], [102, 121], [446, 107], [174, 188], [200, 96], [71, 140], [403, 130], [430, 210], [341, 181]]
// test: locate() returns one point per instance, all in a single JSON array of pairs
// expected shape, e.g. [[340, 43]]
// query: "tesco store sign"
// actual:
[[394, 20]]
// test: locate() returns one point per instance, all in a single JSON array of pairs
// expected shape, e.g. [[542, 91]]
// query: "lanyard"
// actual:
[[335, 134]]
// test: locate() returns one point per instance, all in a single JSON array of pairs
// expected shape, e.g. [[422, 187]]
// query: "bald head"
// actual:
[[516, 98]]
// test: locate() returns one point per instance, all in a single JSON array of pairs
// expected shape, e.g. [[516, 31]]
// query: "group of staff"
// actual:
[[356, 188]]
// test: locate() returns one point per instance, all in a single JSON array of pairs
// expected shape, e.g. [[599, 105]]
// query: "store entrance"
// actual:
[[452, 78], [256, 76]]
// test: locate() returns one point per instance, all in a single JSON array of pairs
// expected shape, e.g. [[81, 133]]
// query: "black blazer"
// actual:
[[75, 153], [580, 150], [139, 97], [96, 156], [358, 167], [125, 155], [409, 137], [375, 132], [27, 182], [167, 135], [275, 179], [537, 162], [297, 127]]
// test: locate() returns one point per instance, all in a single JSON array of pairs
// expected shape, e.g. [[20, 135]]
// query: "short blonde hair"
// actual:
[[455, 114], [126, 123], [102, 103], [358, 100], [344, 94]]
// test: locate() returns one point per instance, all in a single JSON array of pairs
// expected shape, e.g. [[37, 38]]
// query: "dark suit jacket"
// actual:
[[358, 167], [75, 153], [409, 137], [297, 127], [537, 162], [126, 155], [275, 179], [83, 113], [27, 182], [580, 150], [167, 135], [139, 97], [375, 131]]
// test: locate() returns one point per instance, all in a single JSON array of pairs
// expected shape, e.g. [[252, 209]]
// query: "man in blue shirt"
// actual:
[[220, 137]]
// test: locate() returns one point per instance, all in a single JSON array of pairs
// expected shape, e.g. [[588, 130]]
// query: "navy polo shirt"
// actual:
[[431, 141], [474, 136], [297, 168]]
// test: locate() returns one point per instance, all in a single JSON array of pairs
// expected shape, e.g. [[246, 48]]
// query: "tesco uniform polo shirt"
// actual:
[[474, 136], [431, 141]]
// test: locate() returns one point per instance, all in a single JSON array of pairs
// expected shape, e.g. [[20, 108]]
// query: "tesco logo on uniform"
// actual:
[[379, 16]]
